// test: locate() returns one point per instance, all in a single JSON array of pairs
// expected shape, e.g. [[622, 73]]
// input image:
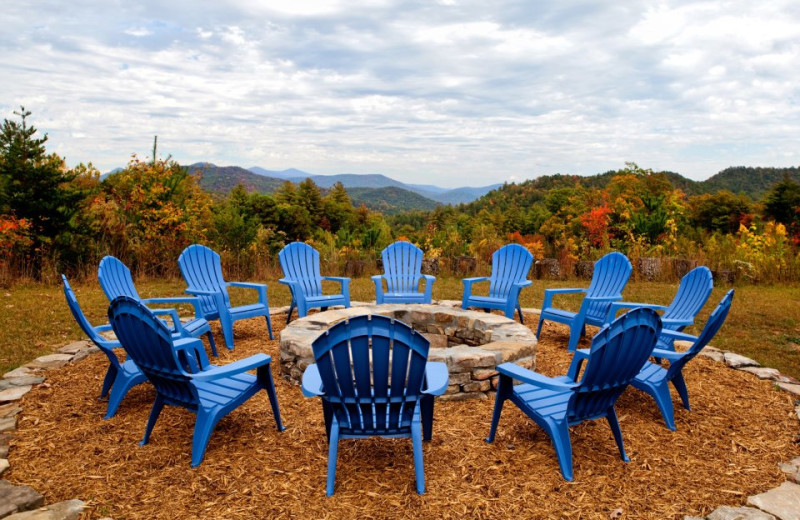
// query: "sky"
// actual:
[[449, 92]]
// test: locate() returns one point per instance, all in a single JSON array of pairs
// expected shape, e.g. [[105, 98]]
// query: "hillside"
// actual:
[[390, 200], [222, 179], [754, 182]]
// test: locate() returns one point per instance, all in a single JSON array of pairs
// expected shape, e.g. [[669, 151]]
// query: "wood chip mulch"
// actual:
[[727, 448]]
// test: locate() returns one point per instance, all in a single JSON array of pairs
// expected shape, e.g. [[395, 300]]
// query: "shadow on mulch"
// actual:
[[724, 450]]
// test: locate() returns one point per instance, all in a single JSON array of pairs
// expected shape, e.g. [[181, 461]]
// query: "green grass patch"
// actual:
[[764, 322]]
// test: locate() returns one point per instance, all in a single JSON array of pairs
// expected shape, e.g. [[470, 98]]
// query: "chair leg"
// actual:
[[426, 411], [613, 422], [504, 390], [264, 376], [158, 405], [327, 414], [111, 375], [419, 467], [559, 436], [203, 427], [539, 327], [289, 314], [333, 452], [575, 335], [227, 331], [212, 343], [119, 390], [660, 393], [269, 326], [519, 310], [680, 386]]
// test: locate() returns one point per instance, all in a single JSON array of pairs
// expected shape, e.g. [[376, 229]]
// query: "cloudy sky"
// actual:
[[451, 92]]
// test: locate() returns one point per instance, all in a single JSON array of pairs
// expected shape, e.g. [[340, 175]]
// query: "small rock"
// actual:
[[21, 381], [782, 501], [9, 410], [8, 423], [50, 361], [17, 498], [715, 354], [4, 465], [766, 373], [789, 387], [14, 394], [19, 372], [738, 513], [738, 361], [68, 510], [693, 518], [74, 347], [792, 469]]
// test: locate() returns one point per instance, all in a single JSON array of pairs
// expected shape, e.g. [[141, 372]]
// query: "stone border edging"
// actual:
[[20, 502]]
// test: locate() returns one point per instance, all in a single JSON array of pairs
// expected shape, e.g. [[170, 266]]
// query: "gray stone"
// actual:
[[8, 423], [21, 381], [791, 469], [693, 518], [460, 378], [436, 340], [14, 499], [477, 386], [50, 361], [766, 373], [4, 465], [74, 347], [782, 501], [464, 358], [789, 387], [452, 389], [20, 372], [3, 451], [716, 355], [83, 354], [738, 513], [68, 510], [506, 351], [14, 393], [10, 410], [462, 396], [738, 361]]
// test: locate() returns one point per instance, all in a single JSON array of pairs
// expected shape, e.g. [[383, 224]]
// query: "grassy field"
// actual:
[[764, 322]]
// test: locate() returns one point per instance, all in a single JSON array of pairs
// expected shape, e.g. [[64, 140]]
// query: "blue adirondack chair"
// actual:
[[385, 399], [182, 376], [120, 377], [402, 265], [611, 274], [202, 270], [654, 379], [510, 267], [116, 280], [693, 293], [300, 265], [617, 354]]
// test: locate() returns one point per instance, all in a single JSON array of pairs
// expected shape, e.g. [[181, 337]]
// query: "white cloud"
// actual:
[[463, 93]]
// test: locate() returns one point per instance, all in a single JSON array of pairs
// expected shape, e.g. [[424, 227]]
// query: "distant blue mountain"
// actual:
[[377, 180]]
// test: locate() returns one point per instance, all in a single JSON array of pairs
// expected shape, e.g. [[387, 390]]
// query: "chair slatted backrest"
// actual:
[[617, 354], [510, 264], [402, 266], [611, 274], [83, 323], [379, 399], [202, 269], [115, 279], [149, 343], [693, 293], [713, 325], [300, 263]]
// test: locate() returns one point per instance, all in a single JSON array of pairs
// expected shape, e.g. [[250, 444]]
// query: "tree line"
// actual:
[[59, 219]]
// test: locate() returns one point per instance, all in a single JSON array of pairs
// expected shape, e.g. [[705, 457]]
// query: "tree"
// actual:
[[782, 201], [35, 186]]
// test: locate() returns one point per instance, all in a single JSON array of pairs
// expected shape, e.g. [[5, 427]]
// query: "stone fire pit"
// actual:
[[471, 343]]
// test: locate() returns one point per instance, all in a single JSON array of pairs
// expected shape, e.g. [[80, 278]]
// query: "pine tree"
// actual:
[[34, 185]]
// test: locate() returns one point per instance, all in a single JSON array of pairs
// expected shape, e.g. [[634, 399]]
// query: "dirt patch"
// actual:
[[724, 450]]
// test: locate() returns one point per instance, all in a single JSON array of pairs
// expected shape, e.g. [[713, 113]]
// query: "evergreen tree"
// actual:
[[782, 201], [35, 186]]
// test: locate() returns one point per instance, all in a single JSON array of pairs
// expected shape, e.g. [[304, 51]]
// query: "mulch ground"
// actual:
[[727, 448]]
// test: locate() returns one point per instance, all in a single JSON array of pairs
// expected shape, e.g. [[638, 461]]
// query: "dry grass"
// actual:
[[723, 451]]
